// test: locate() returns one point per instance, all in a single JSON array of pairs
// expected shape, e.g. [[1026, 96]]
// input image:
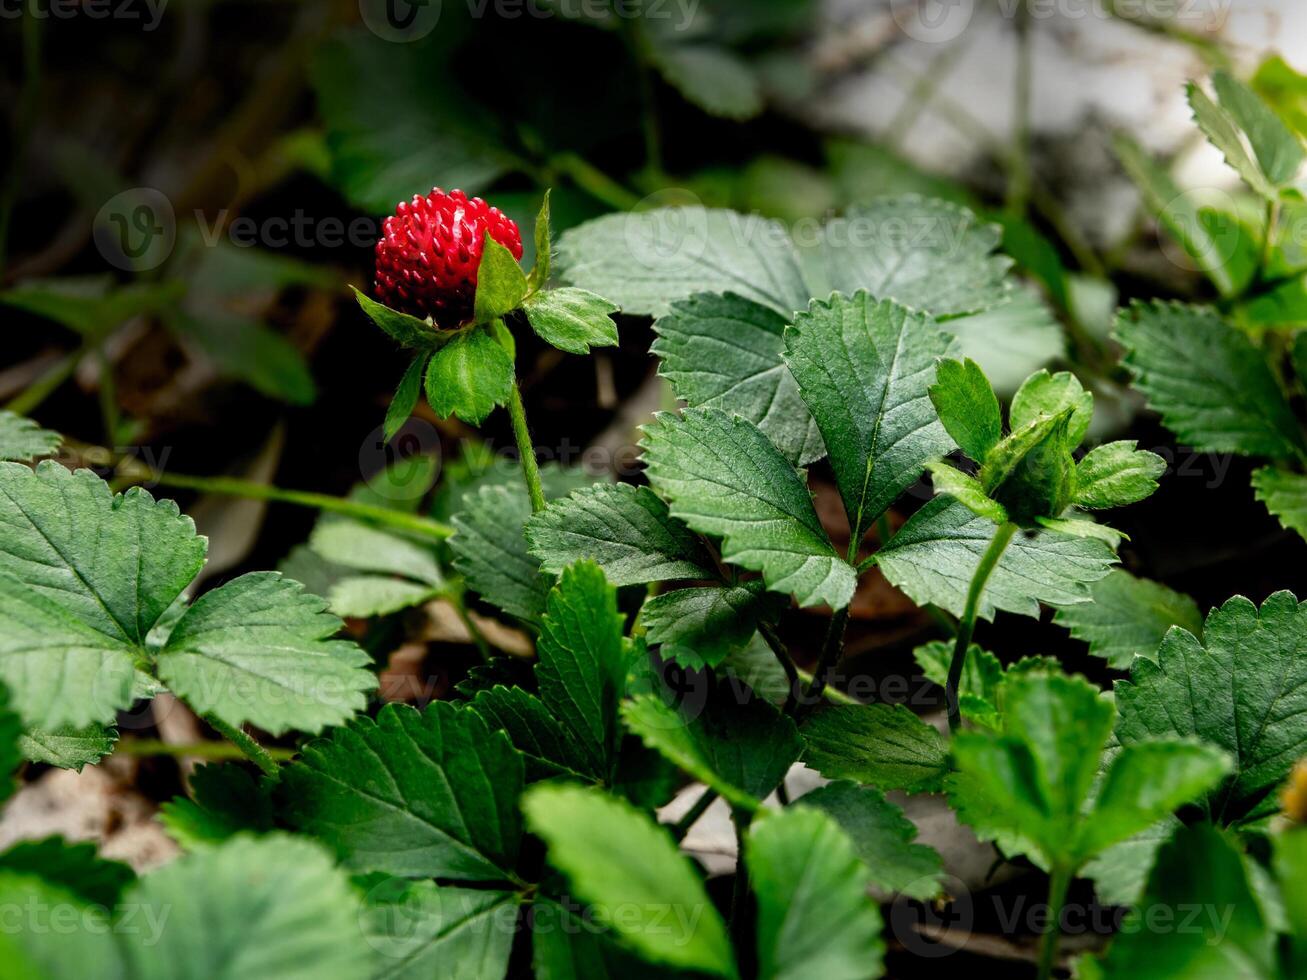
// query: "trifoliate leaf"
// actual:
[[886, 746], [882, 837], [933, 556], [548, 749], [646, 260], [419, 929], [724, 478], [815, 917], [1224, 134], [469, 376], [714, 78], [967, 406], [1128, 617], [1200, 880], [700, 627], [1285, 495], [501, 283], [408, 330], [925, 254], [77, 867], [1029, 784], [1116, 474], [430, 794], [1211, 386], [225, 800], [1044, 394], [84, 576], [406, 397], [68, 747], [741, 748], [582, 663], [573, 320], [22, 440], [630, 871], [863, 368], [966, 490], [258, 650], [724, 351], [626, 530], [253, 907], [1243, 688]]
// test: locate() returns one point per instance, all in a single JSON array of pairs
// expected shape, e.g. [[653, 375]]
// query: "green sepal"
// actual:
[[469, 376], [501, 283], [1031, 473], [539, 275], [408, 330], [966, 490]]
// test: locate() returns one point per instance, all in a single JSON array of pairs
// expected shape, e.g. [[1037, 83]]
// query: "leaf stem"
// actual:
[[1057, 889], [530, 468], [830, 655], [214, 751], [967, 625], [692, 815], [594, 181], [252, 750], [782, 655]]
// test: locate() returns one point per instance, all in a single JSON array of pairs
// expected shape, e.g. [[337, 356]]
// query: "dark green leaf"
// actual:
[[77, 867], [469, 376], [1285, 495], [1128, 617], [700, 627], [406, 397], [573, 320], [885, 746], [1116, 474], [22, 440], [967, 407]]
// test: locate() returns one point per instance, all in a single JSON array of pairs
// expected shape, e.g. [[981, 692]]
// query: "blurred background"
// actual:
[[188, 188]]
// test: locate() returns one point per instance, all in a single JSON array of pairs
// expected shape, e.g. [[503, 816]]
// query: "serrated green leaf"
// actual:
[[1121, 871], [1224, 134], [430, 794], [501, 283], [1179, 213], [1279, 152], [368, 549], [815, 917], [978, 688], [490, 551], [626, 530], [366, 596], [724, 478], [725, 351], [700, 627], [469, 376], [886, 746], [967, 406], [966, 490], [573, 320], [257, 650], [418, 929], [933, 556], [22, 440], [84, 576], [1285, 495], [1199, 869], [255, 906], [882, 837], [1044, 394], [630, 870], [1079, 527], [925, 254], [1116, 474], [863, 368], [67, 747], [1128, 617], [714, 78], [741, 748], [409, 331], [1211, 386], [756, 665], [582, 663], [225, 800], [1243, 688], [646, 260], [406, 397], [548, 749], [76, 867]]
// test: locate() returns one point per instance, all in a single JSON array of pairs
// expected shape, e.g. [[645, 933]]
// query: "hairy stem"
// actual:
[[1057, 888], [252, 750], [530, 468], [967, 625]]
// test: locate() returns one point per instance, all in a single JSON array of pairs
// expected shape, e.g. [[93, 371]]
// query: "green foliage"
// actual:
[[1128, 617], [1285, 495], [22, 440], [501, 283], [882, 745], [469, 375], [573, 320]]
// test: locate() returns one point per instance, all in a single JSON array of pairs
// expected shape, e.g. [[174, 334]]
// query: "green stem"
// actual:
[[1057, 889], [530, 468], [830, 656], [740, 892], [478, 638], [692, 815], [594, 181], [252, 750], [967, 625], [213, 751], [1268, 241], [782, 655], [27, 400]]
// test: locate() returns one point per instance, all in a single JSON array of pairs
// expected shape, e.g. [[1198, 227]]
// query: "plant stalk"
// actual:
[[967, 625], [830, 656], [530, 468], [213, 751], [782, 656], [1057, 889], [692, 815], [253, 751]]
